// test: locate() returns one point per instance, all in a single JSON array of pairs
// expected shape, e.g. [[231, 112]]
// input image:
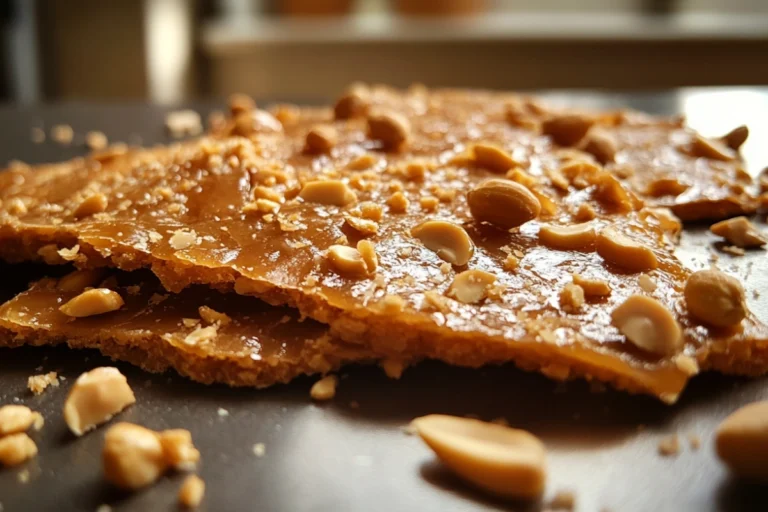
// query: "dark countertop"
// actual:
[[352, 454]]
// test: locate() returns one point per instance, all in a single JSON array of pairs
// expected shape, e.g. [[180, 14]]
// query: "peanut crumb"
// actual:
[[511, 262], [646, 283], [191, 492], [571, 298], [669, 446], [211, 316], [15, 419], [16, 448], [62, 134], [429, 203], [393, 368], [325, 388], [183, 123], [39, 383], [96, 141], [95, 398], [398, 203]]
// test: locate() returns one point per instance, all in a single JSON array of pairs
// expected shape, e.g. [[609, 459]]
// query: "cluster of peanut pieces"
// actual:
[[133, 456], [511, 463]]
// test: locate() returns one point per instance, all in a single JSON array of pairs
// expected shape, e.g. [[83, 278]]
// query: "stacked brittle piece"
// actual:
[[470, 227]]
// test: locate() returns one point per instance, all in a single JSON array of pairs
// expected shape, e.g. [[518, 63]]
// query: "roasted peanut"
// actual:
[[648, 325], [736, 137], [329, 192], [398, 203], [576, 237], [493, 158], [325, 388], [503, 203], [191, 491], [567, 129], [498, 459], [354, 102], [95, 397], [239, 103], [471, 286], [741, 441], [712, 149], [81, 279], [178, 450], [133, 456], [95, 301], [368, 253], [391, 128], [620, 250], [601, 145], [91, 205], [592, 287], [347, 261], [321, 139], [740, 232], [15, 419], [715, 298], [448, 240], [571, 298], [363, 226], [16, 448], [666, 187]]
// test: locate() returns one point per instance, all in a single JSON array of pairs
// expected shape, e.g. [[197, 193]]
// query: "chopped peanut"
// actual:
[[371, 211], [15, 419], [96, 141], [239, 103], [498, 459], [648, 325], [354, 102], [363, 226], [398, 203], [91, 205], [666, 187], [577, 237], [347, 261], [511, 262], [736, 137], [450, 241], [325, 388], [471, 286], [261, 206], [191, 492], [585, 213], [261, 192], [715, 298], [416, 170], [211, 316], [503, 203], [39, 383], [183, 122], [321, 139], [712, 149], [95, 397], [592, 287], [16, 448], [368, 253], [63, 134], [620, 250], [647, 283], [567, 129], [80, 280], [429, 203], [571, 298], [95, 301], [133, 456], [742, 441], [330, 192], [493, 158], [601, 145], [740, 232], [178, 449], [391, 128]]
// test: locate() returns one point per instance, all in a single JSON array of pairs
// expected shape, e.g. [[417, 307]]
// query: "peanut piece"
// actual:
[[712, 149], [239, 103], [211, 316], [95, 397], [178, 450], [81, 279], [741, 441], [503, 203], [96, 140], [736, 137], [353, 103], [471, 286], [368, 253], [191, 492], [371, 211], [498, 459], [648, 325], [391, 128], [620, 250], [363, 226], [321, 139], [15, 419], [329, 192], [666, 187], [398, 203], [740, 232], [567, 129], [601, 145], [16, 448], [493, 158], [95, 301], [571, 298], [576, 237], [592, 287], [715, 298], [133, 456], [448, 240], [325, 388], [347, 261], [91, 205]]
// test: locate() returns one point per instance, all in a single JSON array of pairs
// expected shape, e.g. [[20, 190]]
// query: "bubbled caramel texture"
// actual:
[[200, 189]]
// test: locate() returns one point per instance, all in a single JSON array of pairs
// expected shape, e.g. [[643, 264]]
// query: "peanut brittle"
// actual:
[[206, 336], [418, 225]]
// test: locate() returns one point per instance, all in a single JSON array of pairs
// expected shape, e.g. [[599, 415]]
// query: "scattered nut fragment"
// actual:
[[363, 226], [15, 419], [648, 325], [368, 253], [96, 141], [91, 205], [325, 388], [736, 137], [715, 298], [391, 128], [740, 232], [429, 203], [741, 441], [178, 449], [493, 158], [668, 221], [95, 397], [371, 211], [592, 287], [501, 460], [393, 368], [571, 298], [354, 102], [712, 149], [63, 134], [398, 203], [182, 123], [669, 446], [503, 203], [261, 206], [601, 145], [211, 316], [585, 213], [329, 192], [239, 103], [666, 187], [183, 239], [567, 129], [647, 283], [511, 262], [620, 250], [39, 383], [347, 260], [576, 237], [81, 279], [471, 286], [321, 139], [16, 448], [133, 456], [191, 492], [95, 301], [448, 240]]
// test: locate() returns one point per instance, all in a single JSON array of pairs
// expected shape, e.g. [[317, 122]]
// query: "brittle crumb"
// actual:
[[39, 383], [669, 446], [325, 388], [191, 492]]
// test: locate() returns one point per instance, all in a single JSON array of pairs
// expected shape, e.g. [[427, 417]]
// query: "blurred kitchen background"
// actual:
[[171, 51]]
